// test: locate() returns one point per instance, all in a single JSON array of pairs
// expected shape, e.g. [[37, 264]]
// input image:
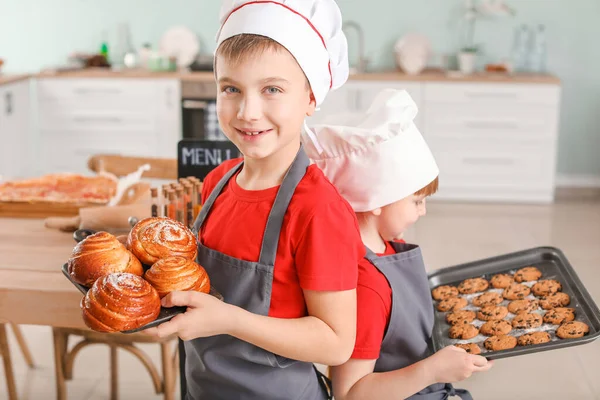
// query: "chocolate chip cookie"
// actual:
[[572, 330], [489, 298], [452, 304], [473, 285], [501, 281], [444, 292], [528, 274], [516, 291], [527, 321], [460, 317], [559, 315], [533, 338], [546, 287], [489, 313], [523, 306], [464, 332], [496, 327], [559, 299], [500, 342], [471, 348]]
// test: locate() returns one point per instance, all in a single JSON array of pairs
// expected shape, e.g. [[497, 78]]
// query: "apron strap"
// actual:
[[292, 177], [325, 383], [213, 196], [270, 241], [371, 256]]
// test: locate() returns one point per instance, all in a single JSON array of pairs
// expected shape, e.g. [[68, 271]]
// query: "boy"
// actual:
[[276, 238], [385, 170]]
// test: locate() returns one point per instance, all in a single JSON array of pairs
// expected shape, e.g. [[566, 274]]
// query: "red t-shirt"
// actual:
[[319, 245], [374, 297]]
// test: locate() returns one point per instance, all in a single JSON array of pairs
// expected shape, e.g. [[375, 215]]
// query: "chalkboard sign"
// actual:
[[196, 157]]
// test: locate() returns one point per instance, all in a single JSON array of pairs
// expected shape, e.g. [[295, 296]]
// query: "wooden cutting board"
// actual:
[[40, 209], [48, 209]]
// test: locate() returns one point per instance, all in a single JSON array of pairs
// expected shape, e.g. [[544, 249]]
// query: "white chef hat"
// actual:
[[377, 158], [311, 30]]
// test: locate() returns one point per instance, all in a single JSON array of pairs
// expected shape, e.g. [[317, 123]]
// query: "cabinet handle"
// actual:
[[491, 125], [99, 119], [8, 97], [488, 161], [491, 95], [168, 92], [98, 90]]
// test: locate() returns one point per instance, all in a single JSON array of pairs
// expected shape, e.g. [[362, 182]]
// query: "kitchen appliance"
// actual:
[[199, 111]]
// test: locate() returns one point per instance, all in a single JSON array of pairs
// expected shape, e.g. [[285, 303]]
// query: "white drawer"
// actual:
[[476, 164], [531, 122], [69, 152], [97, 93], [491, 93], [70, 119]]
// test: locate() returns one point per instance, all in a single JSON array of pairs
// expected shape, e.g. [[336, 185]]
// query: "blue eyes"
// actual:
[[268, 90]]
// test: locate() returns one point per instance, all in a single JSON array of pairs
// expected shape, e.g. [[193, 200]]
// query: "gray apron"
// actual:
[[408, 336], [223, 367]]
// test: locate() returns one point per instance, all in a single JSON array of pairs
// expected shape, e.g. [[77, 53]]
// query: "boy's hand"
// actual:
[[453, 364], [205, 316]]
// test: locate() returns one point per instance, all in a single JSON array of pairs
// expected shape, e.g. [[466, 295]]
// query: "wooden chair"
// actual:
[[64, 358], [5, 354]]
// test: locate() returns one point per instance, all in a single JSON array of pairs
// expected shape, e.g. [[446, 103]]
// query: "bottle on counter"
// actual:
[[180, 215], [154, 202], [172, 205], [189, 209], [538, 51], [521, 49], [165, 201]]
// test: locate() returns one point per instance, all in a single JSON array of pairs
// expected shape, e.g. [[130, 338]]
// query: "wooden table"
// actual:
[[33, 289]]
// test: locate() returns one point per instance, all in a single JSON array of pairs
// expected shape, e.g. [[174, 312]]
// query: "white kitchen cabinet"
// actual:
[[78, 118], [15, 134], [493, 142], [355, 96]]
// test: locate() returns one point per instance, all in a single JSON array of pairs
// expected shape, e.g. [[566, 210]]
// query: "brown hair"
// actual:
[[239, 48], [429, 189]]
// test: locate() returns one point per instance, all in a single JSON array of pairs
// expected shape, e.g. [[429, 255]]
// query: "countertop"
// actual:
[[33, 289], [6, 79], [186, 76]]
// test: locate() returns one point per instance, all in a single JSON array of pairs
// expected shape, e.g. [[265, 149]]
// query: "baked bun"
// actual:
[[98, 255], [155, 238], [120, 302], [177, 273]]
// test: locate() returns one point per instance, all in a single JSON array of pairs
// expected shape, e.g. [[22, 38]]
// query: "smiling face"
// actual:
[[263, 97]]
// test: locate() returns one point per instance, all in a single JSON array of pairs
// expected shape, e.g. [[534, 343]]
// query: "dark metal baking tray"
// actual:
[[165, 313], [553, 264]]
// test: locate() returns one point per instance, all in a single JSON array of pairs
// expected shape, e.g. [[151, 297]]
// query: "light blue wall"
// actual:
[[38, 33]]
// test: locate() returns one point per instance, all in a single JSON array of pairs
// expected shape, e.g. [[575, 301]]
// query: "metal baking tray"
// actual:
[[553, 264], [165, 313]]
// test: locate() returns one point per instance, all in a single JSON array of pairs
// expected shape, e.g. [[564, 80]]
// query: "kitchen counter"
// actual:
[[33, 289], [133, 73], [6, 79], [454, 76], [426, 76]]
